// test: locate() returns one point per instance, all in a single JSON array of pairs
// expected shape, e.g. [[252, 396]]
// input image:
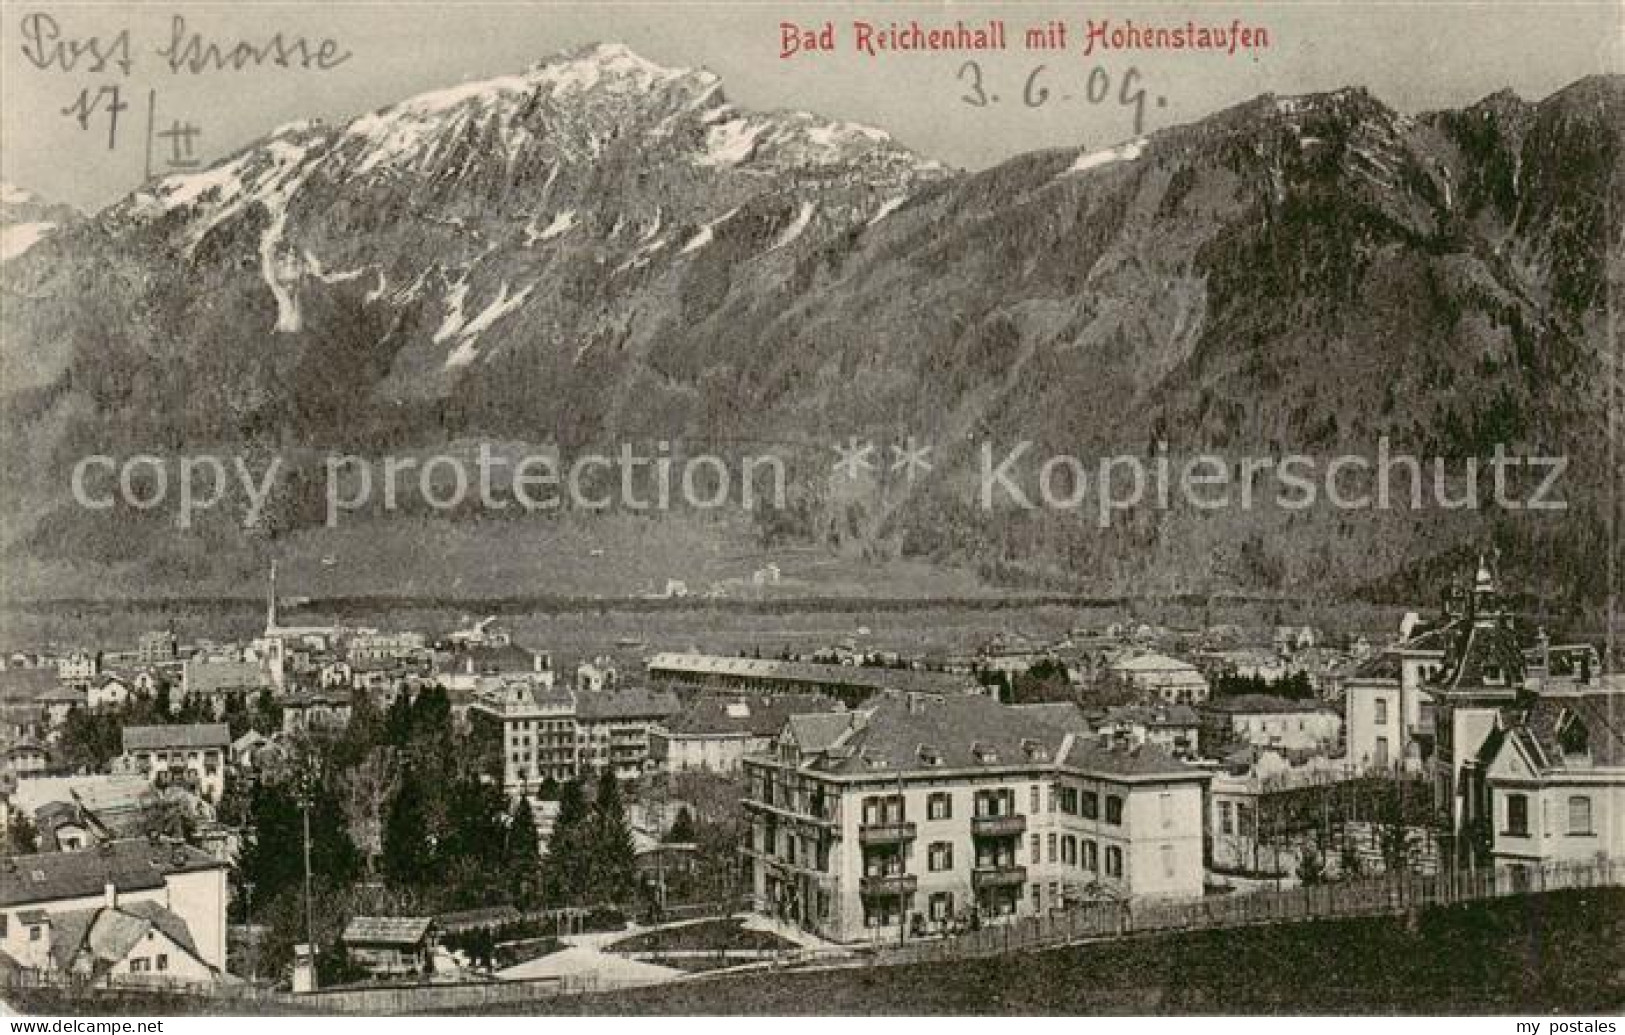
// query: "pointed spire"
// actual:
[[270, 603]]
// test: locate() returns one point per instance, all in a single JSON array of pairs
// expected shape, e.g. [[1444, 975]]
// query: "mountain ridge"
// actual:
[[527, 262]]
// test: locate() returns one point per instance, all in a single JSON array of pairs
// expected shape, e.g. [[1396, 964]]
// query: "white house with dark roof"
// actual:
[[121, 943], [46, 895], [1170, 680], [192, 755], [1387, 709], [612, 727], [940, 806], [109, 690], [1557, 782]]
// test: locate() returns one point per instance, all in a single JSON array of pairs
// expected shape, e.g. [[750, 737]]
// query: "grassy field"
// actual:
[[705, 935], [1562, 952]]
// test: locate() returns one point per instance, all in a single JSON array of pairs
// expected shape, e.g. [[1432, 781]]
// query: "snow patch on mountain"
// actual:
[[794, 230], [19, 237], [730, 143], [280, 266], [891, 205], [1124, 152], [561, 225], [707, 233], [468, 332]]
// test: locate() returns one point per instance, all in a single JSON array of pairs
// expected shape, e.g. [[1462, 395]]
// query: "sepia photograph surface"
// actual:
[[791, 508]]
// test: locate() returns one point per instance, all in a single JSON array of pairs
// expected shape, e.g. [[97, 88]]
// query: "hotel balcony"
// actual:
[[889, 884], [998, 876], [787, 811], [885, 833], [998, 826]]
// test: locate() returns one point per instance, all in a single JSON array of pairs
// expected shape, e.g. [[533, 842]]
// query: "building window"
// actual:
[[942, 906], [1227, 819], [1032, 800], [1051, 798], [1580, 815], [1069, 800], [940, 856], [163, 961], [940, 806], [1165, 809], [1091, 805], [140, 966], [1038, 898], [1382, 711], [1053, 852], [1091, 857], [1114, 809], [1167, 853], [1037, 855], [1381, 756], [1114, 861], [1517, 815], [34, 933], [1069, 850]]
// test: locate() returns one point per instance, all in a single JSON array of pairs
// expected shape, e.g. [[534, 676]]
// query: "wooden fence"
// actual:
[[1383, 896]]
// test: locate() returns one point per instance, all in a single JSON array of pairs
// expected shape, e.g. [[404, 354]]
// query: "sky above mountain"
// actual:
[[1413, 57]]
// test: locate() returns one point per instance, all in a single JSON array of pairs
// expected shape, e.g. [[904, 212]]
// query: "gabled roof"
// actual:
[[1063, 715], [626, 703], [1090, 757], [760, 715], [818, 732], [194, 735], [110, 933], [917, 732], [132, 865], [1600, 715], [1479, 648], [387, 930]]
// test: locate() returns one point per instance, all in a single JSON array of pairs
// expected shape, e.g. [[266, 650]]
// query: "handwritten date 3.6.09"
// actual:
[[1042, 89]]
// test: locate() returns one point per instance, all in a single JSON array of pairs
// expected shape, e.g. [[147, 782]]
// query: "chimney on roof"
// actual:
[[110, 895]]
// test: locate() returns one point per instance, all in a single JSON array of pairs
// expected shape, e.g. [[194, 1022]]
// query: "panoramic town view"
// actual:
[[550, 509]]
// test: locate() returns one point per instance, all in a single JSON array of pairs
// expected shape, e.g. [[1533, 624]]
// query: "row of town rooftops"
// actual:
[[684, 667], [135, 864], [910, 733]]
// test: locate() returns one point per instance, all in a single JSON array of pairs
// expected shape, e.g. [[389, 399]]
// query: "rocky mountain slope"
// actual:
[[600, 249], [26, 218]]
